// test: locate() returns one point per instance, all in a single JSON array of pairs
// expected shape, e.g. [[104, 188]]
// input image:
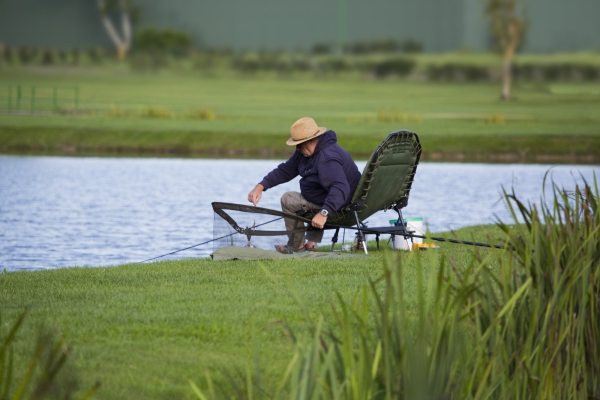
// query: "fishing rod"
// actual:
[[385, 230], [441, 239], [208, 241], [402, 232]]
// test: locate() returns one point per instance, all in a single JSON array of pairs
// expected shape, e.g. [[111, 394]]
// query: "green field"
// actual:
[[143, 330], [125, 113]]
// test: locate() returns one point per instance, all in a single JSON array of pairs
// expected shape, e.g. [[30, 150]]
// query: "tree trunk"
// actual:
[[122, 52], [122, 44], [125, 24], [506, 77], [506, 74], [508, 28]]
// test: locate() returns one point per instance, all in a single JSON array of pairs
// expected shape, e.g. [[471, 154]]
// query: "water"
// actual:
[[58, 211]]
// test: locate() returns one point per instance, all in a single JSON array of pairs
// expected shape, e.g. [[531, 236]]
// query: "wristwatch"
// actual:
[[324, 213]]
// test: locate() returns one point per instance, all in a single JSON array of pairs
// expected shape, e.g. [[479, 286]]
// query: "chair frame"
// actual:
[[357, 204]]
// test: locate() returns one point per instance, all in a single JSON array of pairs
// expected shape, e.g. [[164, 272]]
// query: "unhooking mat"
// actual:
[[249, 253]]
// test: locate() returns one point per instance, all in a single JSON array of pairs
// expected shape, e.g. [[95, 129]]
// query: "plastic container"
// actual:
[[413, 224], [425, 246]]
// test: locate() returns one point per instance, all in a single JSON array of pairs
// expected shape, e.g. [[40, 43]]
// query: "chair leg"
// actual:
[[361, 238], [335, 238], [405, 225]]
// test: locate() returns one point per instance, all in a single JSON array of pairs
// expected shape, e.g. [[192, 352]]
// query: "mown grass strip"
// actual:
[[92, 142], [143, 330]]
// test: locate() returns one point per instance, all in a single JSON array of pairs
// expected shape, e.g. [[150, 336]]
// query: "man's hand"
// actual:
[[319, 221], [256, 193]]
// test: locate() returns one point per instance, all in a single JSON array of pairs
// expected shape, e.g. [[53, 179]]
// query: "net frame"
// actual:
[[219, 208]]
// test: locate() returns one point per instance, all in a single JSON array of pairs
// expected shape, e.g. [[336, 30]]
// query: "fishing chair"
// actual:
[[384, 185]]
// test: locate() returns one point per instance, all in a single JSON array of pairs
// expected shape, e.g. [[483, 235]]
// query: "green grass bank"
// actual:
[[143, 330], [187, 114]]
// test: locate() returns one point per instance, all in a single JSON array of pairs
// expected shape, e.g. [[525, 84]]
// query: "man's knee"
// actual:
[[290, 201]]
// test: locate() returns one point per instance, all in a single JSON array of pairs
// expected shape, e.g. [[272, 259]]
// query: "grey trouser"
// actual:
[[292, 202]]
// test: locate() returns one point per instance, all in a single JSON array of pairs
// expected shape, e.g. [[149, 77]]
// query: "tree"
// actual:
[[508, 28], [128, 13]]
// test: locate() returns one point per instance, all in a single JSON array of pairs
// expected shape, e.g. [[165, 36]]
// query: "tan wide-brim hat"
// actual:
[[303, 130]]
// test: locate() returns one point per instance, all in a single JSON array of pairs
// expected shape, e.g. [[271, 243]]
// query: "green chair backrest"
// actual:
[[386, 179]]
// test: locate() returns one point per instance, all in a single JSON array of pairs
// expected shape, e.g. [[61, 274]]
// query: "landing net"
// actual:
[[249, 226]]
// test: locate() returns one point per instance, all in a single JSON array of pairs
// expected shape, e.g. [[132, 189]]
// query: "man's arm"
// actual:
[[333, 179], [284, 172]]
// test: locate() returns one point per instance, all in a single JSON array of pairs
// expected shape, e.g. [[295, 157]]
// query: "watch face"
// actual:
[[324, 213]]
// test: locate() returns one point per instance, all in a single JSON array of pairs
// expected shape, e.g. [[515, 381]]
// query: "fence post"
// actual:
[[18, 97], [76, 98], [10, 99], [54, 99], [32, 99]]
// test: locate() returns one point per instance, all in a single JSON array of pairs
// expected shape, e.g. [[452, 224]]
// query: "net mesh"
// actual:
[[248, 226]]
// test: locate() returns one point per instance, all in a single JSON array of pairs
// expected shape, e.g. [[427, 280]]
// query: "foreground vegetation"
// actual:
[[459, 322], [193, 114], [526, 326], [143, 330]]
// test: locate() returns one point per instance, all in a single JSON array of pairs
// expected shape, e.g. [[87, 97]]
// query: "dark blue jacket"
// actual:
[[329, 176]]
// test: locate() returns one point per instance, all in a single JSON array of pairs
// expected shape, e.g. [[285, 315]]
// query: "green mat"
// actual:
[[248, 253]]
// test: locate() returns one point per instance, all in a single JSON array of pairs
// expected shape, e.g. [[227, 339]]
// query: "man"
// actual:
[[329, 179]]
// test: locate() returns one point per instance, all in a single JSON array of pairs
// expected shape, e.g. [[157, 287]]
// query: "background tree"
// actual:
[[128, 14], [508, 28]]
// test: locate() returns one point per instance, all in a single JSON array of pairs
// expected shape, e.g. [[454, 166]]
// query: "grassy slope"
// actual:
[[253, 115], [142, 330]]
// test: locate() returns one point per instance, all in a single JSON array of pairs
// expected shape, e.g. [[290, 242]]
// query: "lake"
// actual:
[[61, 211]]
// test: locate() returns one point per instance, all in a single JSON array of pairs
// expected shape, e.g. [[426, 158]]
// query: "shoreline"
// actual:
[[499, 158], [502, 149]]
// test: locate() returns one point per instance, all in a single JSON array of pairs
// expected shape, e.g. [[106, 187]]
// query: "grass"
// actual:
[[143, 330], [191, 114]]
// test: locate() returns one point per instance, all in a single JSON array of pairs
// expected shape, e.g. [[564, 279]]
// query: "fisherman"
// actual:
[[329, 178]]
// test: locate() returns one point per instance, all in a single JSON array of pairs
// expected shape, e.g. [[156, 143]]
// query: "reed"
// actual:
[[45, 375], [526, 328], [553, 334]]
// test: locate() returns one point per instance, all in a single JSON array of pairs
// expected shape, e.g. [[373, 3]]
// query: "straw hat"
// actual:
[[303, 130]]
